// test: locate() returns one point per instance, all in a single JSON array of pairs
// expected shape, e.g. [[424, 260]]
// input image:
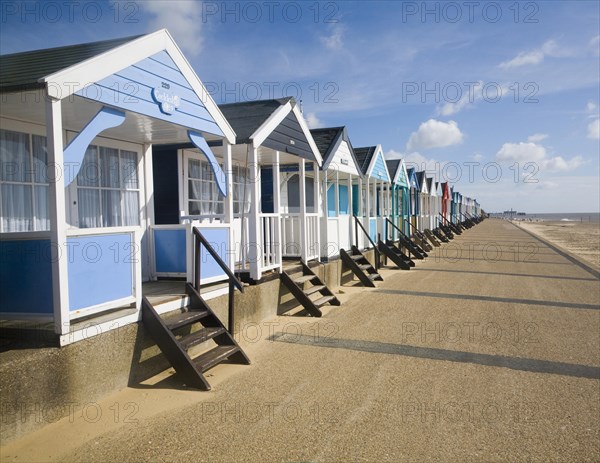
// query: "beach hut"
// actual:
[[423, 199], [265, 215], [431, 203], [340, 171], [78, 182], [373, 203], [446, 200], [400, 207], [414, 202]]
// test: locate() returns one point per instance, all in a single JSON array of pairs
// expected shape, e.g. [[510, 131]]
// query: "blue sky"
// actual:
[[504, 94]]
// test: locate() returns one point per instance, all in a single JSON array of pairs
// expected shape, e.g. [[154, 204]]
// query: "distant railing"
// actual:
[[415, 230], [200, 240], [270, 241], [377, 252]]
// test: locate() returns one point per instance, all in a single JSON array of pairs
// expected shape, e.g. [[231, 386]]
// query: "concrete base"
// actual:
[[39, 383]]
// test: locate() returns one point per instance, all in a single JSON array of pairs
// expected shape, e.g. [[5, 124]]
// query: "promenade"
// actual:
[[488, 350]]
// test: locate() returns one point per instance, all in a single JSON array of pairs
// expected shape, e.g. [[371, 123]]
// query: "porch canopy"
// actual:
[[118, 97], [341, 172], [276, 147], [375, 190]]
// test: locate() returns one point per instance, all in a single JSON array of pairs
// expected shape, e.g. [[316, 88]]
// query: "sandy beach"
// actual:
[[581, 239], [471, 358]]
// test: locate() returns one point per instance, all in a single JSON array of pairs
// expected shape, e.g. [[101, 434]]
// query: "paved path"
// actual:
[[487, 351]]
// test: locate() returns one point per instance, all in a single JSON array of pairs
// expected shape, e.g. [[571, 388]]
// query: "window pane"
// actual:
[[111, 208], [42, 220], [89, 173], [109, 167], [194, 208], [194, 168], [194, 189], [40, 159], [14, 156], [88, 207], [17, 208], [131, 208], [129, 161]]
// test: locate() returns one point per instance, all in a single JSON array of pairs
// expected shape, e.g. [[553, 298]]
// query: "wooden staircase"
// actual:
[[175, 337], [360, 266], [432, 238], [413, 248], [313, 297], [395, 254]]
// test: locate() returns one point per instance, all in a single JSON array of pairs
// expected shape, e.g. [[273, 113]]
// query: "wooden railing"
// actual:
[[357, 224], [200, 241]]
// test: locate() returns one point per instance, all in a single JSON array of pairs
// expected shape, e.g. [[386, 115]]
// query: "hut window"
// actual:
[[23, 182], [241, 191], [343, 200], [204, 198], [108, 188]]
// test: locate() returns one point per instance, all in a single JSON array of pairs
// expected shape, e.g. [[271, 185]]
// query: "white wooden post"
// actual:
[[228, 169], [147, 239], [254, 235], [324, 217], [350, 209], [360, 211], [277, 209], [303, 237], [58, 219], [316, 201]]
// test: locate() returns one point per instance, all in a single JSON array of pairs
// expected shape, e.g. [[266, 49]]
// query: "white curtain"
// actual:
[[17, 208], [88, 201]]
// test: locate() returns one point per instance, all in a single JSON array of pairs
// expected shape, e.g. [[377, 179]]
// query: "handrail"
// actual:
[[415, 229], [377, 252], [402, 234], [450, 224], [234, 282]]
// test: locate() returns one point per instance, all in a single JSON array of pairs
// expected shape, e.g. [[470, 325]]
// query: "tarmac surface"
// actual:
[[488, 350]]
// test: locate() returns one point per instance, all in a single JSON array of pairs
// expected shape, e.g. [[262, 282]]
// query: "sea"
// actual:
[[593, 217]]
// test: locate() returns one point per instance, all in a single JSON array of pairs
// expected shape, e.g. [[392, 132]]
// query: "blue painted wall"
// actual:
[[355, 200], [219, 240], [100, 269], [26, 277], [373, 229], [343, 200], [331, 212], [379, 170], [131, 89], [169, 251]]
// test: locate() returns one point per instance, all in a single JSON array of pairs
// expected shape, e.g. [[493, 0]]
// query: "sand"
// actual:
[[579, 238], [474, 355]]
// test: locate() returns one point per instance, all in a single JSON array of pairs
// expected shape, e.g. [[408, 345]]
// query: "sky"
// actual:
[[502, 99]]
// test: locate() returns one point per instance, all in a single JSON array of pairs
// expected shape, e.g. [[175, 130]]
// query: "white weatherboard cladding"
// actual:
[[343, 161]]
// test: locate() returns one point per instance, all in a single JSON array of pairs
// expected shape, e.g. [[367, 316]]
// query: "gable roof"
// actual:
[[65, 71], [393, 166], [328, 141], [24, 70], [364, 156], [277, 124], [430, 186], [422, 180], [248, 116]]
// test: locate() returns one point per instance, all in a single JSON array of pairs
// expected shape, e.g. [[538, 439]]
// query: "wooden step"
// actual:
[[200, 336], [314, 289], [357, 257], [303, 279], [323, 300], [373, 276], [365, 266], [185, 318], [213, 357]]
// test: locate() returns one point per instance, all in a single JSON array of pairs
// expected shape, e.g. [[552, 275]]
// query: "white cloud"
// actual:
[[591, 107], [593, 129], [533, 57], [183, 19], [595, 45], [469, 96], [435, 134], [418, 161], [335, 40], [477, 157], [536, 137], [313, 121], [532, 152]]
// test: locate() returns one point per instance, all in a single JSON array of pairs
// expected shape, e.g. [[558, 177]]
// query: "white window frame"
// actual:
[[29, 129], [185, 199], [71, 191]]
